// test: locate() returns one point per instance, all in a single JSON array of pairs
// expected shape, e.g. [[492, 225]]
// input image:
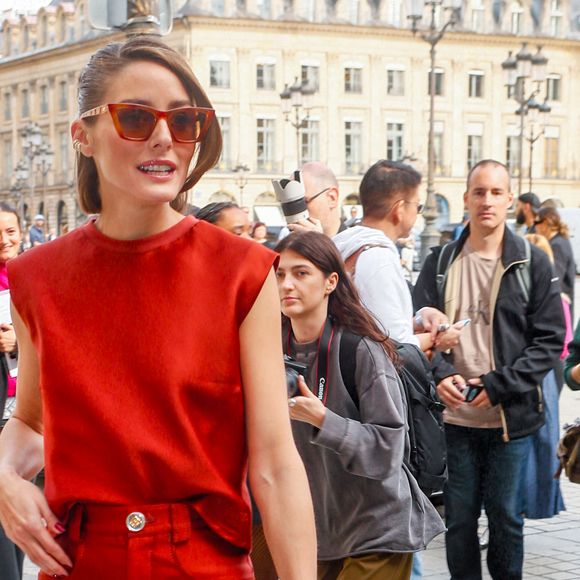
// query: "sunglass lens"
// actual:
[[136, 123], [186, 125]]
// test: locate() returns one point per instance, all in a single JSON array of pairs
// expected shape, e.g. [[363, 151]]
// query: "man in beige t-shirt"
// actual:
[[513, 340]]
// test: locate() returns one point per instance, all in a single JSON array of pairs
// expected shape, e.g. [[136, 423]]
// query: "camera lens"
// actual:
[[292, 382], [290, 194]]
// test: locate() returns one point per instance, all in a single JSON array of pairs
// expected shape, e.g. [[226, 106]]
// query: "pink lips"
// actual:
[[289, 299], [158, 167]]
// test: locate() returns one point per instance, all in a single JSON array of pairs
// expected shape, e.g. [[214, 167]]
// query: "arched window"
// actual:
[[265, 198], [221, 196]]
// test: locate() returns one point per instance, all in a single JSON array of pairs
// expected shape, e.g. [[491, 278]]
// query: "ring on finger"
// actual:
[[291, 402]]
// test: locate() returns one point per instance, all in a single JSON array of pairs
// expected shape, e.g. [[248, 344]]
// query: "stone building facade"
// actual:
[[370, 74]]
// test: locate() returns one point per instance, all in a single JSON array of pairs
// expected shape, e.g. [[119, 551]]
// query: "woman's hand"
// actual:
[[307, 407], [7, 338], [29, 523]]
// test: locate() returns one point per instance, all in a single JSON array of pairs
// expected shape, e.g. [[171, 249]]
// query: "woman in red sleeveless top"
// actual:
[[150, 357]]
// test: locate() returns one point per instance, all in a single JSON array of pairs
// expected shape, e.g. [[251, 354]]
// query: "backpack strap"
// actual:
[[524, 272], [350, 262], [446, 256], [347, 357]]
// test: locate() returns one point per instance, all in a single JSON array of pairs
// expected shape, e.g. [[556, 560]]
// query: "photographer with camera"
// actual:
[[321, 202], [370, 513]]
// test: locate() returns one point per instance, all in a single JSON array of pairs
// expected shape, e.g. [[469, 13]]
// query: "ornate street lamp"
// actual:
[[296, 98], [38, 157], [241, 170], [21, 177], [518, 70], [430, 236]]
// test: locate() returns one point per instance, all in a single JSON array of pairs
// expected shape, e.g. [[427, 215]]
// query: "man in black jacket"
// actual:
[[514, 339]]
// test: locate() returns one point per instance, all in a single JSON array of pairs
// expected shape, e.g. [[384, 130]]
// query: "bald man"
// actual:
[[322, 199]]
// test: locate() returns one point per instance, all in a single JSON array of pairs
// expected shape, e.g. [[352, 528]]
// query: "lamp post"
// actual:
[[537, 129], [296, 98], [38, 156], [517, 70], [17, 189], [241, 170], [433, 34]]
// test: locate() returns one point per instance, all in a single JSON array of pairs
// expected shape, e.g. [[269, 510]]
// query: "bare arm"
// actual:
[[24, 512], [277, 474]]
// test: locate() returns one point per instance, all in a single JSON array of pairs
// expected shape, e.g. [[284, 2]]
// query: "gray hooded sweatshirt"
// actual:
[[365, 499]]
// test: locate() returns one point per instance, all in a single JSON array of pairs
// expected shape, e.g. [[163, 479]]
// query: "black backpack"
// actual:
[[428, 459]]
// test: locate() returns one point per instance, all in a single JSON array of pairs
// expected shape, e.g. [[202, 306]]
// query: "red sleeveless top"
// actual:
[[138, 343]]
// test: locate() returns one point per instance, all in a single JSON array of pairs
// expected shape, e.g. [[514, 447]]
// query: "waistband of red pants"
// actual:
[[133, 520]]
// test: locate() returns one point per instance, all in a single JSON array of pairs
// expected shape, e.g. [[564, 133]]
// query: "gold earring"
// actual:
[[77, 145]]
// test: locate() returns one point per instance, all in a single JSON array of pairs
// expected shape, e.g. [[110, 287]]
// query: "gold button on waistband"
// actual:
[[135, 521]]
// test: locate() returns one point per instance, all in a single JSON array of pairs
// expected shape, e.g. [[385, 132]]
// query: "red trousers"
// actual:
[[148, 542]]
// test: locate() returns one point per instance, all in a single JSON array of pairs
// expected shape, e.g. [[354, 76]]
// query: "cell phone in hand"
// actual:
[[471, 391]]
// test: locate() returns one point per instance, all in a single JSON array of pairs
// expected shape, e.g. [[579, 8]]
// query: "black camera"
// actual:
[[293, 370]]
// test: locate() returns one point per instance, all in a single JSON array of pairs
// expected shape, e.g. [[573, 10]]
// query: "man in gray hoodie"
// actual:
[[389, 194]]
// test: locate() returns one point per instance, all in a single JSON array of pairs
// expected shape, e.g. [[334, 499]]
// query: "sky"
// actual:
[[23, 4]]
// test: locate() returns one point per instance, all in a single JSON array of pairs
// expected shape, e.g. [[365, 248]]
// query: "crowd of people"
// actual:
[[154, 433]]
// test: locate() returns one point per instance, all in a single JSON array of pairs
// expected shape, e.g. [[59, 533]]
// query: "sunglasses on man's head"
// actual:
[[137, 122]]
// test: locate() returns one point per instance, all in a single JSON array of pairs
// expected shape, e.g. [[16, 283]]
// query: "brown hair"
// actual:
[[384, 183], [93, 83], [344, 305], [551, 216]]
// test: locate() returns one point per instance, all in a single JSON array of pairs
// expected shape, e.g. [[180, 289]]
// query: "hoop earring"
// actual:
[[77, 145]]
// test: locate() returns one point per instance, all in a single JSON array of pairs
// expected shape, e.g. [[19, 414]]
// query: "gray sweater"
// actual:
[[365, 499]]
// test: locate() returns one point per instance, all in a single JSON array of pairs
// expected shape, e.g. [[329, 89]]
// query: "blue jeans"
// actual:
[[483, 470]]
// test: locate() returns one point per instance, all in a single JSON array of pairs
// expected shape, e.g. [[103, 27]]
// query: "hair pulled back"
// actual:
[[344, 305], [551, 217], [94, 80]]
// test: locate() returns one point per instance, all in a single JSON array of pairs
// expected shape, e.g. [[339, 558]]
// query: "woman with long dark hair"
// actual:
[[370, 513]]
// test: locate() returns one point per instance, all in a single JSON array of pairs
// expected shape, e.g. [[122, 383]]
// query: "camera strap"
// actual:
[[324, 345]]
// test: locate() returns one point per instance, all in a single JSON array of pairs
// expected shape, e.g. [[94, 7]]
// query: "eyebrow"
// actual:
[[172, 105]]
